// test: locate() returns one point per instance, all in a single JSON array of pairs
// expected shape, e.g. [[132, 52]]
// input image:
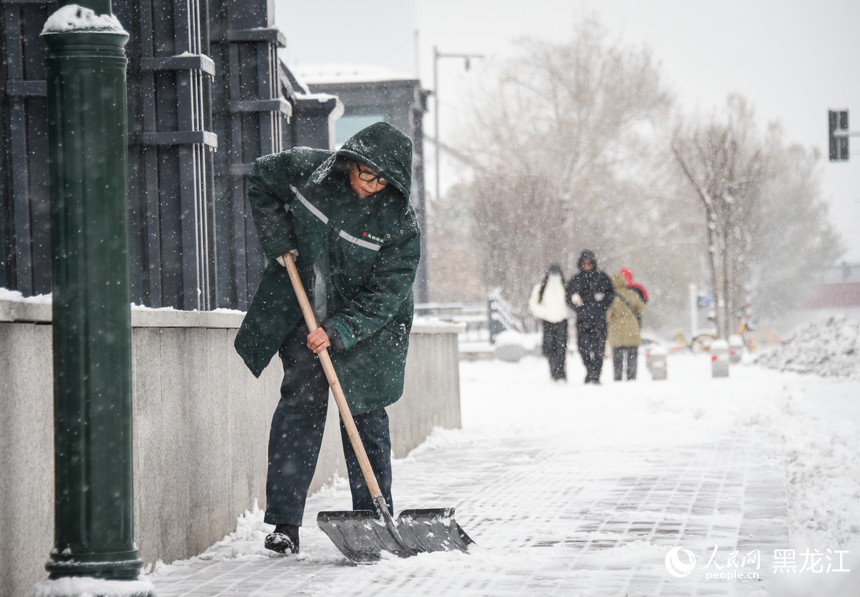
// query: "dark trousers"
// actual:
[[555, 347], [591, 342], [620, 354], [296, 436]]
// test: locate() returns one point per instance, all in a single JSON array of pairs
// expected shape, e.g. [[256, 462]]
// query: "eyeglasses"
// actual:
[[368, 175]]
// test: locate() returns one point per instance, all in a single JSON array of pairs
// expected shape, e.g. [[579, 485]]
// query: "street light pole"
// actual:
[[436, 114], [87, 119], [437, 55]]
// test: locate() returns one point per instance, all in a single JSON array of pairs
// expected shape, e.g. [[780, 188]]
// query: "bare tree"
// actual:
[[557, 134], [509, 212], [573, 147], [725, 163], [765, 220], [455, 261], [794, 238]]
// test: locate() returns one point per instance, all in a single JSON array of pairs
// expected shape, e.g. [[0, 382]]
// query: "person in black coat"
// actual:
[[590, 293]]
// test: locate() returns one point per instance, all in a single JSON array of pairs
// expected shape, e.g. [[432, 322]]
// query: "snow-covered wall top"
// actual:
[[14, 307], [73, 17]]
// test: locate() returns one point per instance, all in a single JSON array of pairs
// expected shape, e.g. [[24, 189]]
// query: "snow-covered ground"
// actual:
[[583, 490]]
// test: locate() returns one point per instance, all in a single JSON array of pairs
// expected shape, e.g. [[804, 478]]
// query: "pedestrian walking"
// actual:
[[590, 293], [548, 304], [346, 218], [624, 319]]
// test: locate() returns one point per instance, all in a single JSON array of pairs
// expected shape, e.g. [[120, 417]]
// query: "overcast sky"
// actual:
[[793, 59]]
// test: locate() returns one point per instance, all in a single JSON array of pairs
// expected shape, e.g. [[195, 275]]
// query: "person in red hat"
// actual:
[[625, 326], [636, 286]]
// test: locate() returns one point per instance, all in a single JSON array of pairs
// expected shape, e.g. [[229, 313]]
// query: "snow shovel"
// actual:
[[361, 535]]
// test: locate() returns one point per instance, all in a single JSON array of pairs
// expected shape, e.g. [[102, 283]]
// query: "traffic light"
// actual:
[[838, 134]]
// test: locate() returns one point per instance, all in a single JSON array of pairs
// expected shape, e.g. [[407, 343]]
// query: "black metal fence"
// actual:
[[206, 96], [25, 234]]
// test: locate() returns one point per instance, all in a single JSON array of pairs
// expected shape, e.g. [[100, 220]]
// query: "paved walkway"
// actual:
[[551, 516]]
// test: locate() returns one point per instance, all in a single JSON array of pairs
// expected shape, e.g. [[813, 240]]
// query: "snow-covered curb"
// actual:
[[822, 472], [822, 478]]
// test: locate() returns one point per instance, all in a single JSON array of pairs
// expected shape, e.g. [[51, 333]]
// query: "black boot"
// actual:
[[285, 538]]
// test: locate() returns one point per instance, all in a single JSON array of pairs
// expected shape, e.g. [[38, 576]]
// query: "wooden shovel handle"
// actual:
[[336, 389]]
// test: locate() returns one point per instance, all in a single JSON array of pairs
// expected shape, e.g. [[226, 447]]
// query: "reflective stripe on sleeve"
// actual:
[[310, 206]]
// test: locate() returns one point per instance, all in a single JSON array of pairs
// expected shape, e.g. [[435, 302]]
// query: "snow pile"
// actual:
[[78, 18], [823, 490], [831, 349], [822, 476], [245, 543], [92, 587]]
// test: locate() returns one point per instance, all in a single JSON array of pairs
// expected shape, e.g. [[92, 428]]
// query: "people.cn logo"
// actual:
[[680, 562]]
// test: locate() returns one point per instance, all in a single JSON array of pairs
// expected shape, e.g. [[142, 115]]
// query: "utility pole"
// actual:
[[694, 310], [437, 55], [94, 506]]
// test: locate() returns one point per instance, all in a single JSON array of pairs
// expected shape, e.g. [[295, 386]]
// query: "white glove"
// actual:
[[576, 300], [282, 259]]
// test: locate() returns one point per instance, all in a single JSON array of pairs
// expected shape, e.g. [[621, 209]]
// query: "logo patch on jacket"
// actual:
[[371, 237]]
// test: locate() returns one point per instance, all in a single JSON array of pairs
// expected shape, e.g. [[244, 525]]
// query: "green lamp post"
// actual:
[[94, 506]]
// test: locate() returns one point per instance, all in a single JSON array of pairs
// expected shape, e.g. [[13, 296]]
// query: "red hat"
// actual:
[[628, 275]]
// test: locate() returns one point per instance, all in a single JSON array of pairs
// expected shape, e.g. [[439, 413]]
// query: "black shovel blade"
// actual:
[[362, 537]]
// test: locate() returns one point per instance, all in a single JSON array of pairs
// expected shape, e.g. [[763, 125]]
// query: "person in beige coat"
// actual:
[[624, 319]]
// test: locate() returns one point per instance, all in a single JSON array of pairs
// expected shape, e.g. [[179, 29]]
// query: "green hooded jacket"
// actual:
[[301, 199]]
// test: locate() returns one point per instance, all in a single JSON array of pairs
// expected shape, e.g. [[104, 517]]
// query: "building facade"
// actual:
[[400, 102], [206, 97]]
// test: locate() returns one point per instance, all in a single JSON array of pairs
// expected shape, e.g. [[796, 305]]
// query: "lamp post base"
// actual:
[[107, 566]]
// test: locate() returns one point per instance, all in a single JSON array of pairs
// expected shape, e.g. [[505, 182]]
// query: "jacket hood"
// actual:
[[381, 147], [586, 254], [619, 281]]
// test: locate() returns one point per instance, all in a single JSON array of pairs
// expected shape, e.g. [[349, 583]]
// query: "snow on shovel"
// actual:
[[361, 535]]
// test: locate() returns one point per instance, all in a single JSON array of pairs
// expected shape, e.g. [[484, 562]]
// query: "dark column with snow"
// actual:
[[86, 84]]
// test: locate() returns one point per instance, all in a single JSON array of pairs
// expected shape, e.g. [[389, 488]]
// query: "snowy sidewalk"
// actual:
[[574, 490]]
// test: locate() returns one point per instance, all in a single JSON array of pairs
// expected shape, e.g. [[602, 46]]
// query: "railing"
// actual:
[[481, 322], [502, 315], [472, 317]]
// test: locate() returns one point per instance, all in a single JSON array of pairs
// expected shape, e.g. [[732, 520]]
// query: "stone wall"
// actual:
[[200, 430]]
